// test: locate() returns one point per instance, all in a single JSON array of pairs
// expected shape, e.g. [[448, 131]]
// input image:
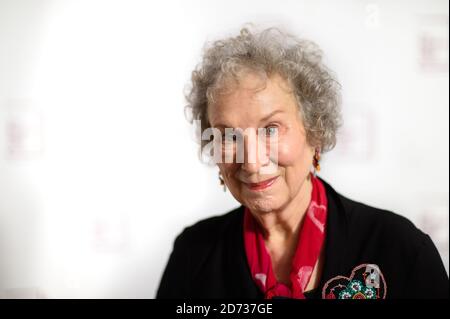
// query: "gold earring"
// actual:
[[222, 182], [316, 160]]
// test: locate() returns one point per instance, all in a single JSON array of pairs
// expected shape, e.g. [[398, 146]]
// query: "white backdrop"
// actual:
[[98, 167]]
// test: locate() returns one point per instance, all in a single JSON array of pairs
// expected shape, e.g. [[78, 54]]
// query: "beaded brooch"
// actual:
[[365, 282]]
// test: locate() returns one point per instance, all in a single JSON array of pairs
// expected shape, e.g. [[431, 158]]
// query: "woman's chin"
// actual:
[[262, 205]]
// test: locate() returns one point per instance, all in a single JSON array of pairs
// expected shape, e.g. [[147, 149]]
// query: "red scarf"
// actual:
[[310, 241]]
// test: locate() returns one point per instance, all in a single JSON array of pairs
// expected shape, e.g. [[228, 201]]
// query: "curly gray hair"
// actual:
[[269, 52]]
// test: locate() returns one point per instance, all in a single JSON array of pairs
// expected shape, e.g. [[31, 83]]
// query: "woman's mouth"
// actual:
[[261, 185]]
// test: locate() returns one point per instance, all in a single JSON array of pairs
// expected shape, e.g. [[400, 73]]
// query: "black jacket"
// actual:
[[209, 261]]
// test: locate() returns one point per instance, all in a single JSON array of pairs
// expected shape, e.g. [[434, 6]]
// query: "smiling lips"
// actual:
[[261, 185]]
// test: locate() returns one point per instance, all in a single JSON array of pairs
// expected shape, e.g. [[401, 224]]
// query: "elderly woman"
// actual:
[[293, 236]]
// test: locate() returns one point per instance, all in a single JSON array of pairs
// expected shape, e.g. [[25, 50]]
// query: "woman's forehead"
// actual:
[[245, 105]]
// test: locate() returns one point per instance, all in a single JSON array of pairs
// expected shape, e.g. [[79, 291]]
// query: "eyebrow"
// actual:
[[268, 116], [264, 119]]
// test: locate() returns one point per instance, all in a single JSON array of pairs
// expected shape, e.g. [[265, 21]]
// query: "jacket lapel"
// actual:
[[336, 241]]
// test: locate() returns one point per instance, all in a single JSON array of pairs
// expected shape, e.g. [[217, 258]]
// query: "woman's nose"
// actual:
[[255, 154]]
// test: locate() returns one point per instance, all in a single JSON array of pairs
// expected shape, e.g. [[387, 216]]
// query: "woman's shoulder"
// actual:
[[367, 220], [362, 213], [407, 257]]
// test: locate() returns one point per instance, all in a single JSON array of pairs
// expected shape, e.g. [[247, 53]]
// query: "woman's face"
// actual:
[[253, 105]]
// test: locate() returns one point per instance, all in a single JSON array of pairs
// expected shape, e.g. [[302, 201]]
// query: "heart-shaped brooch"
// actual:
[[365, 282]]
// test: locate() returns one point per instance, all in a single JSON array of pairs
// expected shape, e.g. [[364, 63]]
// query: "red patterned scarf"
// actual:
[[310, 241]]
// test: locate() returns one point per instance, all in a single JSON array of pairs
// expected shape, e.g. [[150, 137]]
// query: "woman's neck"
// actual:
[[284, 224]]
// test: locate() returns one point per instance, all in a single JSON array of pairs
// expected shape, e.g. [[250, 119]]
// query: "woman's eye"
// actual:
[[229, 138], [271, 130]]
